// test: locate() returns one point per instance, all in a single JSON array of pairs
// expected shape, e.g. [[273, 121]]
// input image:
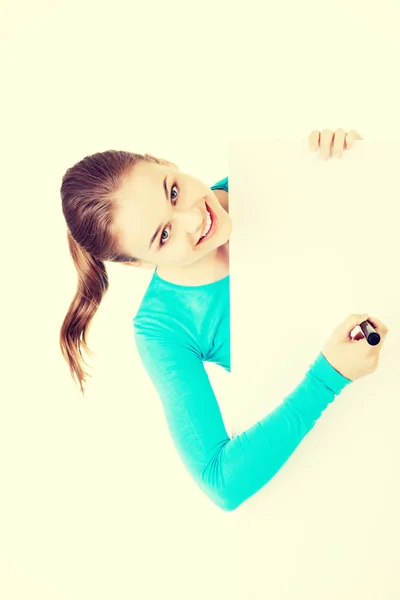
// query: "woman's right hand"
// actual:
[[354, 357]]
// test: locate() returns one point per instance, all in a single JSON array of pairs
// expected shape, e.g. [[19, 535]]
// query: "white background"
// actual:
[[94, 502], [322, 243]]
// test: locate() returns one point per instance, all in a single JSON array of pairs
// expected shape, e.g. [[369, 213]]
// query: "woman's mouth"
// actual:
[[210, 226]]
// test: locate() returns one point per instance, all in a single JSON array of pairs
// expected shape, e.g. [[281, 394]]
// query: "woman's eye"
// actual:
[[176, 188], [163, 240]]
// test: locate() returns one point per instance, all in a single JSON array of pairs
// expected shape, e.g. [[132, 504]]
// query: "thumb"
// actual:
[[342, 332]]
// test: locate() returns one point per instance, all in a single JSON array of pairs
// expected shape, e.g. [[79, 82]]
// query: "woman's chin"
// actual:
[[226, 231]]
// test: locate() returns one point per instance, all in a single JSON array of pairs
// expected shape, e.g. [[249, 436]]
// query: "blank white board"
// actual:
[[313, 241]]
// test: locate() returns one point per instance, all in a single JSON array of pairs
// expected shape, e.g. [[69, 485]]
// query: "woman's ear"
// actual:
[[162, 161]]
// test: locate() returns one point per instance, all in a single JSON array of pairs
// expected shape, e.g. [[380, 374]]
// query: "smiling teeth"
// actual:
[[207, 225]]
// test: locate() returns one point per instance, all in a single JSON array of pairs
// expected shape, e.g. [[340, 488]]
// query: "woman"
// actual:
[[143, 212]]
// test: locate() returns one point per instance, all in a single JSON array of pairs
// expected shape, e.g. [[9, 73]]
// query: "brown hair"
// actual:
[[88, 195]]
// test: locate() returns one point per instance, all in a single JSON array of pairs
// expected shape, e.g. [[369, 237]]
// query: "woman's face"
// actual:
[[162, 213]]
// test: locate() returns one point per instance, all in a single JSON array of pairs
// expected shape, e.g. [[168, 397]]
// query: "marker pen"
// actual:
[[373, 338]]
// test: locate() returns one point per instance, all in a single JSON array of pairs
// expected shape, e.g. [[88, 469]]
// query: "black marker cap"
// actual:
[[373, 338]]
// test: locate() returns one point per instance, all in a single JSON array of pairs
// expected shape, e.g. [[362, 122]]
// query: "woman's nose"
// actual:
[[192, 220]]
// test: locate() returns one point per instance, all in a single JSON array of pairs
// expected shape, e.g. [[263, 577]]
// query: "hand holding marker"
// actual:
[[356, 356]]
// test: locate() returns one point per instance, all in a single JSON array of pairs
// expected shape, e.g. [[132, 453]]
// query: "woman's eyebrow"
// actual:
[[159, 227]]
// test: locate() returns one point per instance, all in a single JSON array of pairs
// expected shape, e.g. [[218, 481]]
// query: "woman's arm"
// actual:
[[231, 470]]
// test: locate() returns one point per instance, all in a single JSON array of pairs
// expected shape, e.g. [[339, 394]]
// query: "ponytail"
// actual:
[[92, 285], [89, 192]]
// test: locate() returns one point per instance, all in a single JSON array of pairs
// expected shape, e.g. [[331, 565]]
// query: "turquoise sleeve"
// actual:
[[229, 471], [221, 185]]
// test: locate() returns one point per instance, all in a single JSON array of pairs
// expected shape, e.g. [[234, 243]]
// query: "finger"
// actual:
[[313, 140], [345, 328], [351, 137], [338, 142], [359, 336], [326, 143]]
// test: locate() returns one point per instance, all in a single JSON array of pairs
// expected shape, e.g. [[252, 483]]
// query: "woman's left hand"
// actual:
[[332, 143]]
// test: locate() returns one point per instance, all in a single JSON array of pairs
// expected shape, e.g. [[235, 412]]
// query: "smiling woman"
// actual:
[[142, 211]]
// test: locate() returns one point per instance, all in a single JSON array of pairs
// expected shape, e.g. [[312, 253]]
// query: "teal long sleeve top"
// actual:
[[177, 328]]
